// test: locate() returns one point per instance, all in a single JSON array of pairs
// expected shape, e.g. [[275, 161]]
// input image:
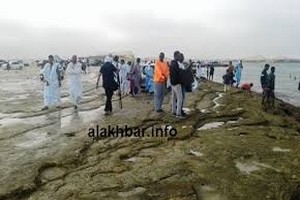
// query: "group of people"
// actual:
[[233, 75], [126, 77], [267, 81], [51, 77], [200, 71]]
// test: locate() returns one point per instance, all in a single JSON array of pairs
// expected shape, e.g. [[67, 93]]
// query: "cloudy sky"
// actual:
[[199, 28]]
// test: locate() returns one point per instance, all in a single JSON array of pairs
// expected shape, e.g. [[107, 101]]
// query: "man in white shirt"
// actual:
[[52, 83], [74, 80], [124, 82]]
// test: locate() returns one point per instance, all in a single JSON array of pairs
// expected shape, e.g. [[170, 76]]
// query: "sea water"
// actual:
[[286, 82]]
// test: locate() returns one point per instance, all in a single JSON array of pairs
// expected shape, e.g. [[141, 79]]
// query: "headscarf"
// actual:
[[108, 59]]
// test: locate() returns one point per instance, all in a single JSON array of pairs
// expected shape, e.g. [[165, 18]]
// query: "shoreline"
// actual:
[[288, 108]]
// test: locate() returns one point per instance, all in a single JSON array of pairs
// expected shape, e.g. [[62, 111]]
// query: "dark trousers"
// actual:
[[108, 104]]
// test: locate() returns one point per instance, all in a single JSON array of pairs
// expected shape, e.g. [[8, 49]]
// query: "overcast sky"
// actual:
[[199, 28]]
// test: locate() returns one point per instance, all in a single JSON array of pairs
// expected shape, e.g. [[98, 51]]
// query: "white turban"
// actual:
[[107, 59]]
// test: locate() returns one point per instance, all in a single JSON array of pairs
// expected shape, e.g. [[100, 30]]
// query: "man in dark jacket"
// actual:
[[177, 97], [271, 87], [263, 81], [186, 77], [109, 84]]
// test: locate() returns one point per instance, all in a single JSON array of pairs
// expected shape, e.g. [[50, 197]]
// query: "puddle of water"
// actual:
[[278, 149], [52, 173], [9, 121], [211, 125], [266, 166], [16, 97], [12, 115], [78, 119], [187, 110], [13, 119], [130, 194], [237, 109], [209, 193], [196, 153], [33, 139], [205, 111], [247, 168], [132, 159], [220, 95], [232, 122]]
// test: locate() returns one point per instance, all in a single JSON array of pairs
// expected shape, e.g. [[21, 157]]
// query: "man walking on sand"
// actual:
[[161, 74], [52, 83], [74, 79], [110, 85]]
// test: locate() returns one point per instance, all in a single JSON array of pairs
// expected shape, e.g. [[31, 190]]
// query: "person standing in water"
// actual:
[[74, 79], [52, 83], [263, 81]]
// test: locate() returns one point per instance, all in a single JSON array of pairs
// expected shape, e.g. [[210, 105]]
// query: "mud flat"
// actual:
[[233, 149]]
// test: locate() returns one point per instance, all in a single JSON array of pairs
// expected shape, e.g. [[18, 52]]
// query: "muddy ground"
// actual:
[[227, 148]]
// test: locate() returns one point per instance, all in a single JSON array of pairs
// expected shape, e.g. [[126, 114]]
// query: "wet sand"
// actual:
[[228, 147]]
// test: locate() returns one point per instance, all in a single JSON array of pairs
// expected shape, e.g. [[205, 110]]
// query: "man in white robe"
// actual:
[[198, 70], [74, 81], [124, 82], [51, 78]]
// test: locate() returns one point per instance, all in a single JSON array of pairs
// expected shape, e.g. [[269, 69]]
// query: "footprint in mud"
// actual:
[[246, 168]]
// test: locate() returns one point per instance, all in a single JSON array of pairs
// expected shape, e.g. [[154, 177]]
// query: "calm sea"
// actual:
[[286, 82]]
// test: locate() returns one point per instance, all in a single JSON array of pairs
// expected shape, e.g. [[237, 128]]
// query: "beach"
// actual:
[[227, 148], [286, 84]]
